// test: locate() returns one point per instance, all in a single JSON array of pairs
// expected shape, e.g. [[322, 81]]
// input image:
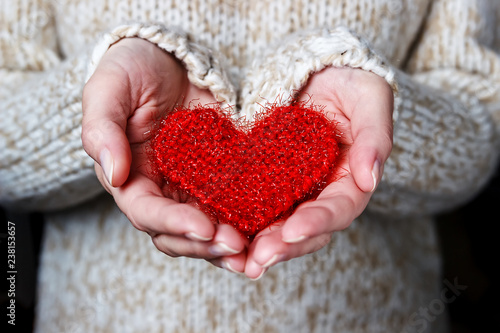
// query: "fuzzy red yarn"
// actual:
[[248, 176]]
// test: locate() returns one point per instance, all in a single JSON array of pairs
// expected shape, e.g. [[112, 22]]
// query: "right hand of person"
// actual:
[[135, 84]]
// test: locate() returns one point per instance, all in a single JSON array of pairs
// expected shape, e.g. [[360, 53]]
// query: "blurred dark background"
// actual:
[[28, 234], [468, 240], [470, 245]]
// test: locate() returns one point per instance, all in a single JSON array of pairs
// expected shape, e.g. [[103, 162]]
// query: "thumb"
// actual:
[[106, 108], [371, 125], [366, 163]]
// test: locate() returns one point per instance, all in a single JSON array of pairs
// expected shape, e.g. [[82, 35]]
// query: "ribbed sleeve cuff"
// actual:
[[204, 68], [286, 69], [42, 162]]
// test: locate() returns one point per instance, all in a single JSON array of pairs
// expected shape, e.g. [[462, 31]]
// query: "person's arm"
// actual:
[[445, 135], [42, 163], [446, 138], [447, 109]]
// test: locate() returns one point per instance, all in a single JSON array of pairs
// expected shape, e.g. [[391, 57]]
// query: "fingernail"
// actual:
[[228, 267], [274, 259], [295, 240], [194, 236], [221, 249], [375, 174], [260, 275], [107, 164]]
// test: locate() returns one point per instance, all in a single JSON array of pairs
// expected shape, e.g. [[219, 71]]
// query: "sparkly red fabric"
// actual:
[[248, 176]]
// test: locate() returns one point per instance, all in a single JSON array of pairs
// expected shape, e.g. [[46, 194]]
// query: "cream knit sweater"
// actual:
[[98, 274]]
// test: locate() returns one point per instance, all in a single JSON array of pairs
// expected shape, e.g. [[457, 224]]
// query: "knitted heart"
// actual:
[[246, 175]]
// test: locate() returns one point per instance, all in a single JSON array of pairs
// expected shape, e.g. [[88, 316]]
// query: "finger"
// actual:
[[334, 209], [271, 250], [371, 127], [229, 247], [234, 263], [102, 179], [148, 210], [268, 250], [106, 108], [159, 215], [253, 270], [180, 246], [225, 256], [227, 241]]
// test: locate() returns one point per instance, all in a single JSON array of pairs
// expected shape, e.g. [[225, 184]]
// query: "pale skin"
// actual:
[[136, 82]]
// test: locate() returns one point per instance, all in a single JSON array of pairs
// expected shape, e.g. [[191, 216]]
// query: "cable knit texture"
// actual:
[[203, 69], [99, 274], [284, 70]]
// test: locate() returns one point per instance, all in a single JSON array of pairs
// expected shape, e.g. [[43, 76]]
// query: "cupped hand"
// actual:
[[362, 105], [135, 84]]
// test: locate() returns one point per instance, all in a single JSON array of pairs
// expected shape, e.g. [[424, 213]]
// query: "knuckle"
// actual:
[[136, 222], [170, 253], [352, 210], [161, 246], [322, 241], [160, 243], [198, 251], [324, 214], [387, 142]]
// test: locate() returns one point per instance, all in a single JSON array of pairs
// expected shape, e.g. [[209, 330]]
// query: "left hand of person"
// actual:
[[362, 104]]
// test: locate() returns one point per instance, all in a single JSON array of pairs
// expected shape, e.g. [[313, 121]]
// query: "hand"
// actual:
[[134, 84], [362, 104]]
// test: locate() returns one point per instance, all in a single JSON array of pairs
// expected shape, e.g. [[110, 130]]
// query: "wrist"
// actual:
[[204, 68]]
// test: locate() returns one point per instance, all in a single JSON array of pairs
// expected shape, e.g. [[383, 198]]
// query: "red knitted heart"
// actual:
[[248, 176]]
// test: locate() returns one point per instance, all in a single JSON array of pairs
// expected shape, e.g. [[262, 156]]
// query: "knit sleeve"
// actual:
[[205, 69], [446, 142], [42, 163], [444, 150]]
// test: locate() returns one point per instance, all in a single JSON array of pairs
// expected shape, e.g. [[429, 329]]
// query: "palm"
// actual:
[[155, 84], [158, 102]]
